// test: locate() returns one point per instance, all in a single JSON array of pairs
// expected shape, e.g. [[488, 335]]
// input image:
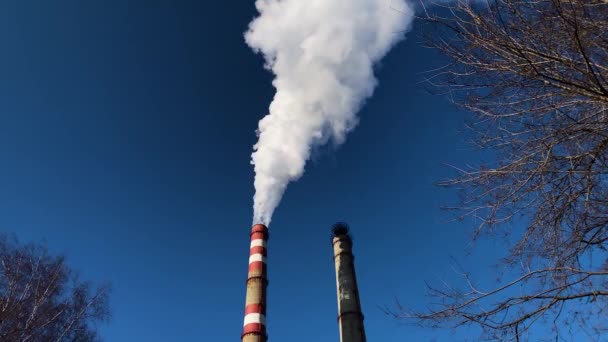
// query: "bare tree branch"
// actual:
[[42, 300], [534, 74]]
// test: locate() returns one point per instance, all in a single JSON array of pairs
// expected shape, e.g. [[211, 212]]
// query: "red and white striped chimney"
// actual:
[[254, 327]]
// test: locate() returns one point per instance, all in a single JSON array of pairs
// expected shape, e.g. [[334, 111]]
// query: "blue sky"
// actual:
[[127, 129]]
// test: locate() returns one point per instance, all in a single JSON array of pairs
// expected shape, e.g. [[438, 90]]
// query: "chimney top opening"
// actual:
[[340, 228]]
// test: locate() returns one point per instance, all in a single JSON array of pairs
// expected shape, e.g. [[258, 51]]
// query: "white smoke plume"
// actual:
[[322, 53]]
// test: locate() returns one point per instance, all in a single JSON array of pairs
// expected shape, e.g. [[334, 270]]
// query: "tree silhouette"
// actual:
[[42, 300], [534, 74]]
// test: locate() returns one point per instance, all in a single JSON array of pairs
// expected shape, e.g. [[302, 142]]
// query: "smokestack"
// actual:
[[350, 317], [254, 327]]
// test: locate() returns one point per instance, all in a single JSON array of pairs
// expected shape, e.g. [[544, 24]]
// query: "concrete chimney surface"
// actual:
[[350, 317]]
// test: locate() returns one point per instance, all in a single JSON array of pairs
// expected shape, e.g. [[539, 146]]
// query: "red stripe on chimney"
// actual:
[[258, 235], [258, 249], [257, 266], [255, 308], [253, 328]]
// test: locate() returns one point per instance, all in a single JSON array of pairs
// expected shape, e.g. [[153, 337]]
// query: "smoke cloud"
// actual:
[[322, 54]]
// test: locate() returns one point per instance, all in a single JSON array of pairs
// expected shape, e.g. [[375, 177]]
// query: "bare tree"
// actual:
[[41, 299], [535, 76]]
